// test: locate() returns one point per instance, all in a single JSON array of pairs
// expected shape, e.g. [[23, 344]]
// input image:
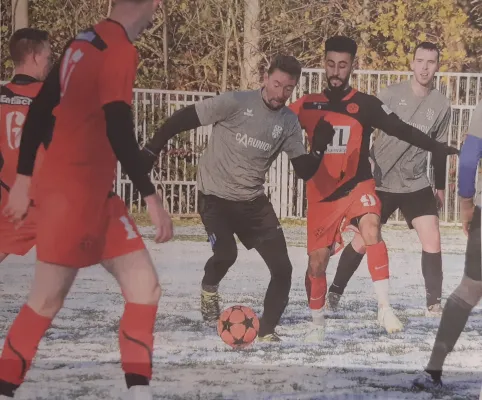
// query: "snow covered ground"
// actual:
[[78, 359]]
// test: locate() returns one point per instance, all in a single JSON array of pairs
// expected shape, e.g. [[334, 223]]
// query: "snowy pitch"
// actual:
[[79, 357]]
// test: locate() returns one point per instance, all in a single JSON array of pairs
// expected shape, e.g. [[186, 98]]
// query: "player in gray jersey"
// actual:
[[400, 171], [250, 129], [469, 292]]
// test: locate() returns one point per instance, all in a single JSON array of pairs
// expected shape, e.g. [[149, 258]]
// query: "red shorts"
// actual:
[[326, 221], [78, 230], [17, 241]]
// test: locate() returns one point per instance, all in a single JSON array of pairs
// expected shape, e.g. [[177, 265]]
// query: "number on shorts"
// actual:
[[368, 200], [131, 233]]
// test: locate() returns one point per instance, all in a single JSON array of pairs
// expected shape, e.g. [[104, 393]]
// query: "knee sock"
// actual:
[[136, 342], [316, 291], [377, 255], [349, 262], [20, 348], [433, 276]]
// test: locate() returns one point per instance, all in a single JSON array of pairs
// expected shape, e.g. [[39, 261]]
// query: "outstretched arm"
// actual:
[[206, 112], [386, 120]]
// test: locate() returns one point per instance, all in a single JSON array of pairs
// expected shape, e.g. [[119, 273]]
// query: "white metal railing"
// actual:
[[175, 174]]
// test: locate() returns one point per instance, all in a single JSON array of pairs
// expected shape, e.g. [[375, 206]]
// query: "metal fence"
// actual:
[[175, 176]]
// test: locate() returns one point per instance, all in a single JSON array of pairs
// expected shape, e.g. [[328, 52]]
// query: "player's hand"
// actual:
[[18, 200], [160, 218], [322, 135], [440, 198], [467, 208]]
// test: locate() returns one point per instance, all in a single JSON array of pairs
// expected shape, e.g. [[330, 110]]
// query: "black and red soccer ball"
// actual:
[[238, 326]]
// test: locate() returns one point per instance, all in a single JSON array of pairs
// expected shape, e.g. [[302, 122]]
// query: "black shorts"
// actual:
[[412, 205], [473, 259], [251, 221]]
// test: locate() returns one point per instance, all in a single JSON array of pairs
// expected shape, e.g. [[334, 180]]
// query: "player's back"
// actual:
[[79, 150], [15, 99]]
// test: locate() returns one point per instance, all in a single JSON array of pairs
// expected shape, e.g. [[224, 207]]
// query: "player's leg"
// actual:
[[350, 259], [51, 284], [377, 255], [257, 226], [127, 259], [225, 251], [353, 254], [420, 211], [323, 234], [274, 252], [457, 309]]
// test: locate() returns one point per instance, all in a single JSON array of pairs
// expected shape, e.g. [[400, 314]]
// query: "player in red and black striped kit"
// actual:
[[342, 191]]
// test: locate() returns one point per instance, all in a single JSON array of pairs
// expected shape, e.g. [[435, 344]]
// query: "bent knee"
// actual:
[[226, 253], [318, 261]]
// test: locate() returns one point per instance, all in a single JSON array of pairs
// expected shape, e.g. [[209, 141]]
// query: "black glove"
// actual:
[[322, 136]]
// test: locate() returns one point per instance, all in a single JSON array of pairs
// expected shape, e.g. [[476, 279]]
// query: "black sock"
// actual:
[[433, 276], [349, 262], [275, 254], [454, 317], [136, 380]]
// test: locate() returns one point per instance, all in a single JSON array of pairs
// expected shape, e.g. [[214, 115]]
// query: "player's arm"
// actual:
[[306, 165], [469, 159], [203, 113], [38, 124], [115, 92], [439, 161], [381, 117]]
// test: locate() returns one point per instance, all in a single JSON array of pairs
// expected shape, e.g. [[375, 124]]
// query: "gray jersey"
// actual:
[[401, 167], [247, 137]]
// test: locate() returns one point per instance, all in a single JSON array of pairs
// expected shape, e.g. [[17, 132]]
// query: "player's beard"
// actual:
[[338, 92]]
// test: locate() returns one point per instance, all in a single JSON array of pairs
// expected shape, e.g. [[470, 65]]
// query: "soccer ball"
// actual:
[[238, 326]]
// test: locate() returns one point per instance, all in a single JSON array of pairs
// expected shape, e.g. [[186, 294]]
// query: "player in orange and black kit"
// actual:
[[79, 222], [31, 55], [342, 191]]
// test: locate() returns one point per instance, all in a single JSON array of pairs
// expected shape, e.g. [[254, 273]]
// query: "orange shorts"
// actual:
[[326, 221], [18, 241], [78, 230]]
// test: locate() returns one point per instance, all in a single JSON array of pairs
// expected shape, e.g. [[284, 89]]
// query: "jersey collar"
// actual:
[[347, 94], [120, 25], [22, 79]]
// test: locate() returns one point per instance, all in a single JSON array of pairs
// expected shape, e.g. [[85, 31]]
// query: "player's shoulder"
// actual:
[[440, 98], [107, 37]]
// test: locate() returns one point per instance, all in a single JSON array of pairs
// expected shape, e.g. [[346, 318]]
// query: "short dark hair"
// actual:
[[427, 46], [341, 44], [287, 64], [26, 41]]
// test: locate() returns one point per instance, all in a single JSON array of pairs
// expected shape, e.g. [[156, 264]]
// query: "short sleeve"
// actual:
[[117, 75], [293, 145], [384, 95], [217, 108]]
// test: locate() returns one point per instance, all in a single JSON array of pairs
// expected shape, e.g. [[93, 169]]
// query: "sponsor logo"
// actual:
[[248, 141], [15, 100]]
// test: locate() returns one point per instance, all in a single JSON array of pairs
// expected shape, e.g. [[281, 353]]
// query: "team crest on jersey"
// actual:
[[277, 131], [14, 121], [430, 114], [352, 108]]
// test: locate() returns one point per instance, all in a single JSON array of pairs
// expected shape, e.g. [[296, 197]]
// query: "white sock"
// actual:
[[381, 290]]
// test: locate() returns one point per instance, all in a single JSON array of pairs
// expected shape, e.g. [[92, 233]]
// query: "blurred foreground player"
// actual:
[[469, 292], [31, 54], [342, 191], [401, 175], [79, 222], [250, 129]]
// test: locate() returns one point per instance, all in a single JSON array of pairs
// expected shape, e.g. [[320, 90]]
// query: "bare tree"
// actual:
[[165, 49], [252, 36], [19, 14]]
